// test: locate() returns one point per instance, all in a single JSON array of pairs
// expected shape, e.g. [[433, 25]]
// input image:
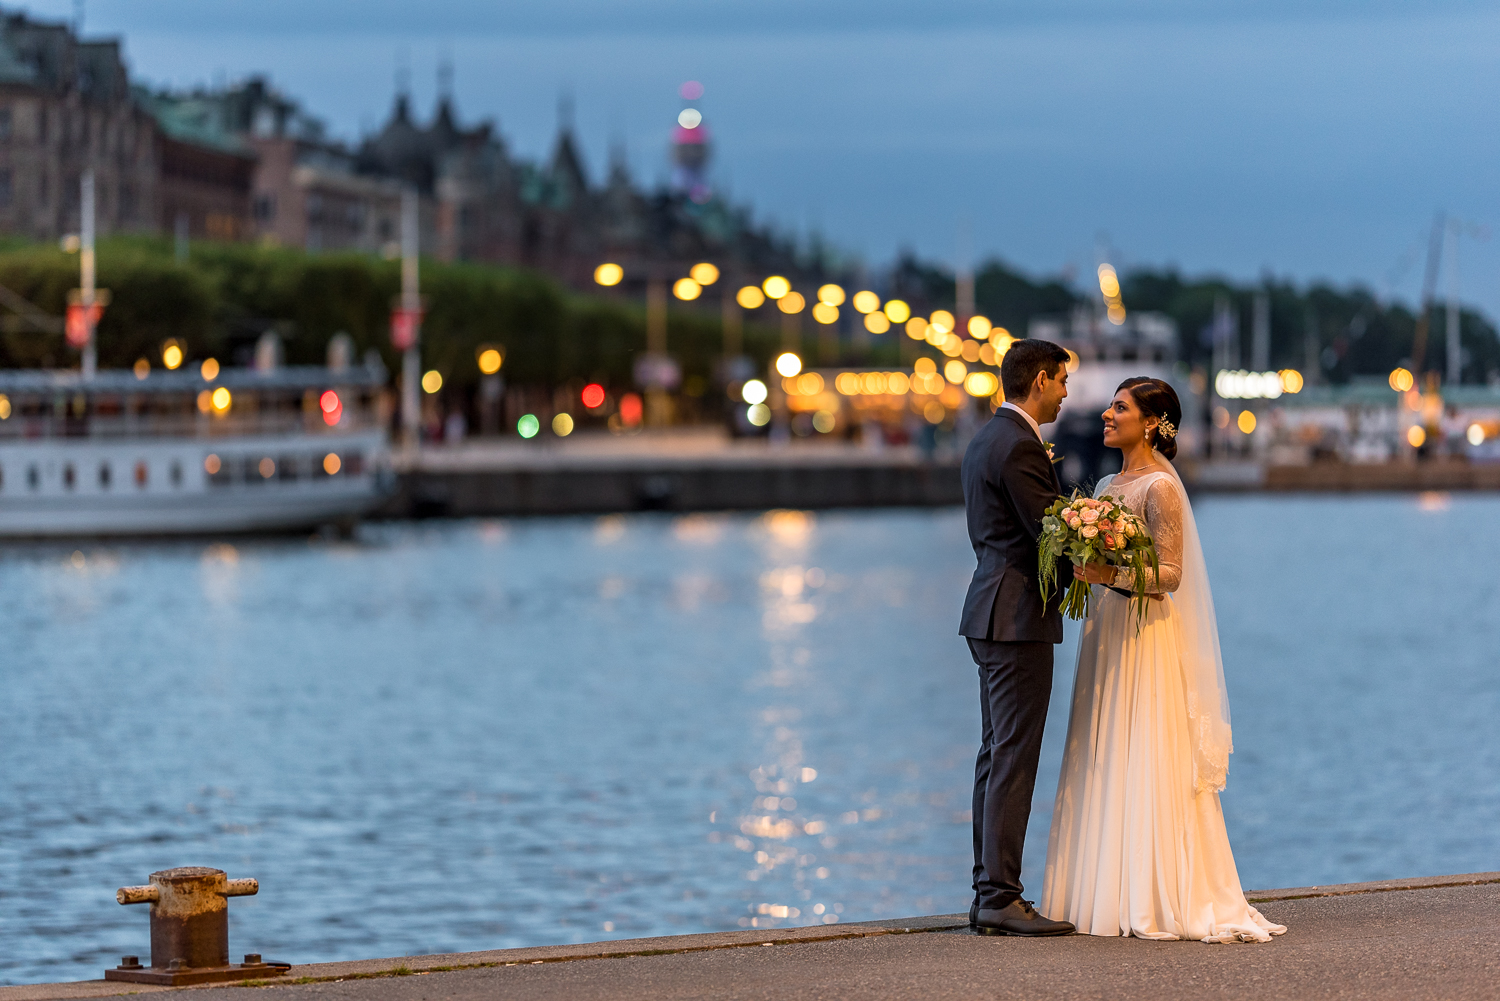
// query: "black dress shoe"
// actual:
[[1018, 918], [974, 914]]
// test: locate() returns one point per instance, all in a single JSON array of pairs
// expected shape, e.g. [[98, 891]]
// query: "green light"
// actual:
[[528, 426]]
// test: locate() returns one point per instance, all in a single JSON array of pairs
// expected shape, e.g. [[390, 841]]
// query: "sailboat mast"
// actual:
[[1429, 289]]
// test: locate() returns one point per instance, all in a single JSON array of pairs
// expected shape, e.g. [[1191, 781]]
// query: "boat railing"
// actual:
[[95, 426]]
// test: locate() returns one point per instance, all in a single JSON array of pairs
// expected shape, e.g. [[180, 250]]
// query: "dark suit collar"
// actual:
[[1021, 421]]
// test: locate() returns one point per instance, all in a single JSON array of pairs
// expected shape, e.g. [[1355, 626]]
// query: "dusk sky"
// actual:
[[1312, 139]]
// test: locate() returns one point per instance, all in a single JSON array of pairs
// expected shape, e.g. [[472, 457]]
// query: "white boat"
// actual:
[[176, 453]]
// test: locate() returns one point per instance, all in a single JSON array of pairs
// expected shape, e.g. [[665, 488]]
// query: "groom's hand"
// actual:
[[1103, 573], [1095, 573]]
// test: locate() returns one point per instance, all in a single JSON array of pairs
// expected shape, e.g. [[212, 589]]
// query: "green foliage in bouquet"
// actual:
[[1094, 530]]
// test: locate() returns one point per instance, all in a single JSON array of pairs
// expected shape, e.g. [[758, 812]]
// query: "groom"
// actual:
[[1008, 481]]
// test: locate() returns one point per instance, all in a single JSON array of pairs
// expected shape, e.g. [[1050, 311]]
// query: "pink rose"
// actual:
[[1088, 531], [1090, 516], [1072, 519]]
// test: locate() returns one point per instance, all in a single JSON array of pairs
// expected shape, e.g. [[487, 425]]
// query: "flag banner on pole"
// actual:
[[81, 321], [404, 326]]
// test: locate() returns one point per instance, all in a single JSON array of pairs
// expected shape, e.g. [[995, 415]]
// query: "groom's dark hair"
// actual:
[[1023, 361]]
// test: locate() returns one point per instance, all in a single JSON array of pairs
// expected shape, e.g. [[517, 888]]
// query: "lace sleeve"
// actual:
[[1164, 518]]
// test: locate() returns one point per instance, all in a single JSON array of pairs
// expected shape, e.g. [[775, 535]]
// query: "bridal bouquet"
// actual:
[[1089, 530]]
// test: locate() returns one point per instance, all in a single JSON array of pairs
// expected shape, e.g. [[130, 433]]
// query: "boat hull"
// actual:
[[164, 486]]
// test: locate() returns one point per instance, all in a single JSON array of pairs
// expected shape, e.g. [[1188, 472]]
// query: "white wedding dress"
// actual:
[[1138, 843]]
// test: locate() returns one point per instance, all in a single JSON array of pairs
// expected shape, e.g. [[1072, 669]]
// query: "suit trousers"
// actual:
[[1015, 685]]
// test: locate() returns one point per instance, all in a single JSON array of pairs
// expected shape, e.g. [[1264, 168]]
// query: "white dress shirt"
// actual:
[[1034, 425]]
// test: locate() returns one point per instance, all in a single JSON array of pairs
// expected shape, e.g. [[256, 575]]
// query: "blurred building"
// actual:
[[203, 166], [65, 106], [245, 162]]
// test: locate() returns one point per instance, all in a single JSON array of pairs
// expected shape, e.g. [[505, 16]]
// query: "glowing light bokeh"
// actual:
[[788, 364], [775, 287], [704, 273], [981, 384], [750, 297], [877, 323], [490, 360], [754, 391], [609, 274], [866, 302], [432, 381], [528, 426], [592, 396], [631, 409], [832, 295], [792, 302], [897, 311]]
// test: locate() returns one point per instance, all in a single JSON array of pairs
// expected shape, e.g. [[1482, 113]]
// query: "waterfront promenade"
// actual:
[[702, 469], [1413, 939]]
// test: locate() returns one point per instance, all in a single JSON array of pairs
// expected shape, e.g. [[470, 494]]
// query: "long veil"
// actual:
[[1202, 662]]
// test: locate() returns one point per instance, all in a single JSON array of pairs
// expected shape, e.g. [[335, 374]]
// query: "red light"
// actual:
[[630, 409], [593, 396], [329, 401]]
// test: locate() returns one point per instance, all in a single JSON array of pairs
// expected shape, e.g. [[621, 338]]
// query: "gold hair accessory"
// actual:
[[1166, 430]]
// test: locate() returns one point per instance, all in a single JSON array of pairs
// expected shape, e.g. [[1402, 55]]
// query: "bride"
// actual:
[[1138, 844]]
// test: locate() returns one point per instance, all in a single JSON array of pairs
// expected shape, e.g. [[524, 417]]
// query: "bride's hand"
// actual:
[[1095, 573]]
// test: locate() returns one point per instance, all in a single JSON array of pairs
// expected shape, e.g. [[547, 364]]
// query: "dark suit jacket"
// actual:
[[1008, 482]]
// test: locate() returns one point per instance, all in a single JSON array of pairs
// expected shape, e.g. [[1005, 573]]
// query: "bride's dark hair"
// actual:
[[1159, 400]]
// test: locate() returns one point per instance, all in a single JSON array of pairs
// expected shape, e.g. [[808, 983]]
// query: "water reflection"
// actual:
[[490, 734]]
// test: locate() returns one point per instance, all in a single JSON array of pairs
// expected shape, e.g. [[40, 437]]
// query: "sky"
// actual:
[[1313, 140]]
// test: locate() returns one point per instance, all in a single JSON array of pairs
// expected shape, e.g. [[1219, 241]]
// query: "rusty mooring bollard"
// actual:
[[190, 930]]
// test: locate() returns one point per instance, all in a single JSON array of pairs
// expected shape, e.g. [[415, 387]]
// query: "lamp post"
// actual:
[[826, 312], [406, 323], [86, 284]]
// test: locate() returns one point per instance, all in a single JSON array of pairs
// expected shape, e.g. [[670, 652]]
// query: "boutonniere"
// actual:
[[1049, 446]]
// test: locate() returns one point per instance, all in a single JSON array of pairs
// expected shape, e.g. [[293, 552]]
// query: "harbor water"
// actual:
[[472, 735]]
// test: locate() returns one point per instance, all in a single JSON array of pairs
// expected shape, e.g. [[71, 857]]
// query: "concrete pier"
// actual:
[[701, 469], [1403, 940], [689, 470]]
